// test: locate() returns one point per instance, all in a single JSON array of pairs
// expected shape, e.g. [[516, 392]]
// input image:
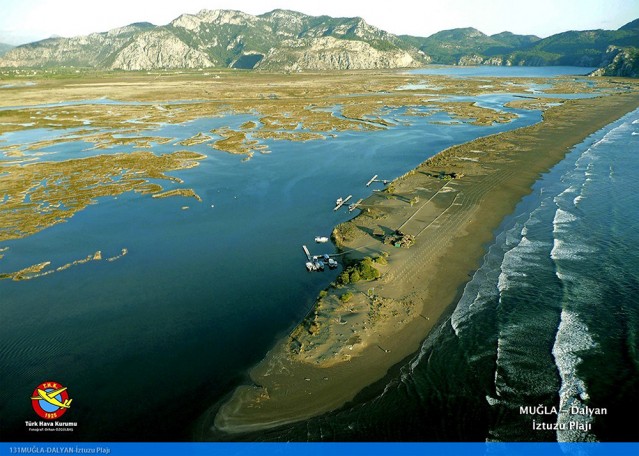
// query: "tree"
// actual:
[[355, 277], [346, 296]]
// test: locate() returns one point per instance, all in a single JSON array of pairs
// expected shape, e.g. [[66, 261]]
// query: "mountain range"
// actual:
[[285, 40], [4, 48]]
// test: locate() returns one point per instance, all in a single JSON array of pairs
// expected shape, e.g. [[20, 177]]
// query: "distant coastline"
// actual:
[[283, 40]]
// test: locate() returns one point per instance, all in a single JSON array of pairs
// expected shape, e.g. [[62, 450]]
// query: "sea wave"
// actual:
[[538, 288], [573, 337], [570, 250], [563, 217], [481, 289]]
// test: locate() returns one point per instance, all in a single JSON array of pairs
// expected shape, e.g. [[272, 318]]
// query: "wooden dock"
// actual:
[[308, 254], [353, 206], [375, 179], [341, 203]]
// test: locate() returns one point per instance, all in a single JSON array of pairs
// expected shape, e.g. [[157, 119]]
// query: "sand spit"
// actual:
[[345, 345]]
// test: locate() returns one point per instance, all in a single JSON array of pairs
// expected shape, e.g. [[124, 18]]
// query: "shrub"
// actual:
[[380, 260], [367, 271], [346, 296], [354, 276], [364, 270], [344, 232]]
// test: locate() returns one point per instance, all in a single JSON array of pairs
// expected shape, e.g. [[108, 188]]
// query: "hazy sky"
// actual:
[[28, 20]]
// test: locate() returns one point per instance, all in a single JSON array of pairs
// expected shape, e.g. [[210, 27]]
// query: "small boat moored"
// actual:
[[321, 239]]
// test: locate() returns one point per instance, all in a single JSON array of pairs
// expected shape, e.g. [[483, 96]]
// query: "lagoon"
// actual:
[[504, 71], [148, 342]]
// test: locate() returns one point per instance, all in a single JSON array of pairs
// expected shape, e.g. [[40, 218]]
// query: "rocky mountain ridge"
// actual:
[[623, 62], [4, 48], [279, 40], [469, 46], [283, 40]]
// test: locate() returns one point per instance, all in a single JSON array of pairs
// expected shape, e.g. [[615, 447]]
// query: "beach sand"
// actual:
[[343, 347]]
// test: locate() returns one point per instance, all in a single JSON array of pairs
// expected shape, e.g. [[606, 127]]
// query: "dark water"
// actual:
[[147, 343], [551, 318]]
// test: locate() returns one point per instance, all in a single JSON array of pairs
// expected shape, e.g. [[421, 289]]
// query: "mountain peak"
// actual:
[[633, 25], [131, 28], [281, 39], [4, 48], [222, 16], [283, 12], [193, 22], [466, 32], [285, 39]]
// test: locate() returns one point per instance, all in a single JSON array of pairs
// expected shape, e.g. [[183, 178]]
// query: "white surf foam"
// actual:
[[570, 250], [572, 338], [433, 338], [481, 288], [517, 262], [562, 216], [478, 292]]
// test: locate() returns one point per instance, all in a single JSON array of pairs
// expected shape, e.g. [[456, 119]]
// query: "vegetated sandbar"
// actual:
[[341, 348]]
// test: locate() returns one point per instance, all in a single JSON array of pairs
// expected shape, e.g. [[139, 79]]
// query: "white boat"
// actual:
[[321, 239], [310, 266]]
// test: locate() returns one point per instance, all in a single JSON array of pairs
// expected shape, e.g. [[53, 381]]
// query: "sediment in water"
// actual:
[[452, 229]]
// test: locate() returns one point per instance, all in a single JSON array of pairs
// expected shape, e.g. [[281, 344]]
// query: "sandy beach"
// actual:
[[451, 205]]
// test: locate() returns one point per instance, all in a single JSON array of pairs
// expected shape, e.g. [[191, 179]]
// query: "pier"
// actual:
[[354, 206], [307, 253], [375, 179], [340, 202], [317, 262]]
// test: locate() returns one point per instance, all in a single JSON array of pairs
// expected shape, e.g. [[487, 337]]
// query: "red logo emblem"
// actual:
[[50, 400]]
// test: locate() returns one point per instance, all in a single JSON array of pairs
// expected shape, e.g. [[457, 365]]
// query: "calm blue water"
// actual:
[[504, 71], [550, 318], [146, 343]]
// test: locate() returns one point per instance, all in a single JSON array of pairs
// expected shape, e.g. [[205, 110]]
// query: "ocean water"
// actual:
[[147, 343], [548, 322]]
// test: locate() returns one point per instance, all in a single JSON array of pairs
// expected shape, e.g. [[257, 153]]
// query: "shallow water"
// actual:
[[148, 342], [504, 71], [550, 318]]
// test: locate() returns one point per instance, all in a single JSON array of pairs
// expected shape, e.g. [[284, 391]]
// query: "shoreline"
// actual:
[[343, 346]]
